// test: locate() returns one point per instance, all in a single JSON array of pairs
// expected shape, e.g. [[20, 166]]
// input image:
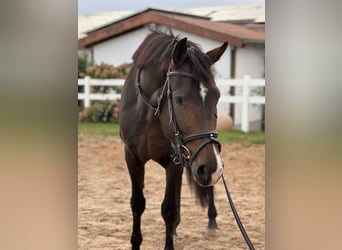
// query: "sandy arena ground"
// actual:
[[104, 194]]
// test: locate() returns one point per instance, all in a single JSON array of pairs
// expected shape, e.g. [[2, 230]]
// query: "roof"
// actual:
[[253, 13], [92, 21], [236, 35]]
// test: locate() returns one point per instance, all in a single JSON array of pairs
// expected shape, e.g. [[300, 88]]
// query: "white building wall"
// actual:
[[120, 49], [250, 60]]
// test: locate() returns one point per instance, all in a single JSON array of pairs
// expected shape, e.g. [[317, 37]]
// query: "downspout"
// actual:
[[232, 76], [92, 55]]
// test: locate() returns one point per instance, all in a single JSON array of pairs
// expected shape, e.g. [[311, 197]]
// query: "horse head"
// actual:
[[187, 110]]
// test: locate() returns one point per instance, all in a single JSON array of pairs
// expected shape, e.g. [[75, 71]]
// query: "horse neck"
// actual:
[[150, 79]]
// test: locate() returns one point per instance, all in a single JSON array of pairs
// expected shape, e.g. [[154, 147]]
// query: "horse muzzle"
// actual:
[[207, 168], [208, 172]]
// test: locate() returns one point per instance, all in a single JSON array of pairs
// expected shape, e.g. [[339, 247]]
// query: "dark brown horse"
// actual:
[[168, 114]]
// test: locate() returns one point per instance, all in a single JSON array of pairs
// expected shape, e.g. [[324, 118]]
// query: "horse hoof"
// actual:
[[212, 225]]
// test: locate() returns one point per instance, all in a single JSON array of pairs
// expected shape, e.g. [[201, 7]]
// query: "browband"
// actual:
[[184, 74]]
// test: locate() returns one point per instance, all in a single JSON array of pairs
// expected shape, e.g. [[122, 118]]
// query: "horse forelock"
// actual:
[[200, 64]]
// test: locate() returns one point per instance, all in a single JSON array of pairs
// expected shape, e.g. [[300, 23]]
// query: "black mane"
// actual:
[[157, 49]]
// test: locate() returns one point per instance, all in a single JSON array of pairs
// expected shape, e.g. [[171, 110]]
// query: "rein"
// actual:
[[236, 216]]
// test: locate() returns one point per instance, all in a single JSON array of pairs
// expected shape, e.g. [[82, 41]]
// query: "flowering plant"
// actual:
[[105, 71]]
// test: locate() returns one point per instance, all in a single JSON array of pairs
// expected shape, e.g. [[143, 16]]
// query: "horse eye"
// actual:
[[179, 100]]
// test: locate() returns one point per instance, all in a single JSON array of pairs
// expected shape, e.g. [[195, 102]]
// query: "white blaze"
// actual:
[[203, 92], [219, 170]]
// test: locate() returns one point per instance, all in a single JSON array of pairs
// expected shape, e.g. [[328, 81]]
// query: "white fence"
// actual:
[[244, 99], [87, 96], [223, 84]]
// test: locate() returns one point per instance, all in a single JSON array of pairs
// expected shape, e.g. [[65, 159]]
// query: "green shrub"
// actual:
[[83, 63], [104, 111]]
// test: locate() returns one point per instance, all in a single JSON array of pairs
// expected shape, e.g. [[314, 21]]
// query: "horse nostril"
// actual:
[[203, 173]]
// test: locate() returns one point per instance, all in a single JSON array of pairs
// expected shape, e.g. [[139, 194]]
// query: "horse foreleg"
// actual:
[[178, 199], [212, 213], [137, 173], [171, 203]]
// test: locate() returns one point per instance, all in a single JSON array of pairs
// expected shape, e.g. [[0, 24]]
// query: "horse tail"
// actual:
[[200, 191]]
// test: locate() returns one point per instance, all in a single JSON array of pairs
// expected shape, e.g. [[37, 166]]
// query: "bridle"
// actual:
[[181, 155]]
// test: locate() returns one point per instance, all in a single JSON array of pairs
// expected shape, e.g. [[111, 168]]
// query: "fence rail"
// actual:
[[223, 84]]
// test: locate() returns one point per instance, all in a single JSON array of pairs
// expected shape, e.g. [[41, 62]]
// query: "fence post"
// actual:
[[87, 92], [245, 104]]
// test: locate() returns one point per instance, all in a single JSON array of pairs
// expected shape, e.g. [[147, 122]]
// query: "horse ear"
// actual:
[[180, 52], [216, 53]]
